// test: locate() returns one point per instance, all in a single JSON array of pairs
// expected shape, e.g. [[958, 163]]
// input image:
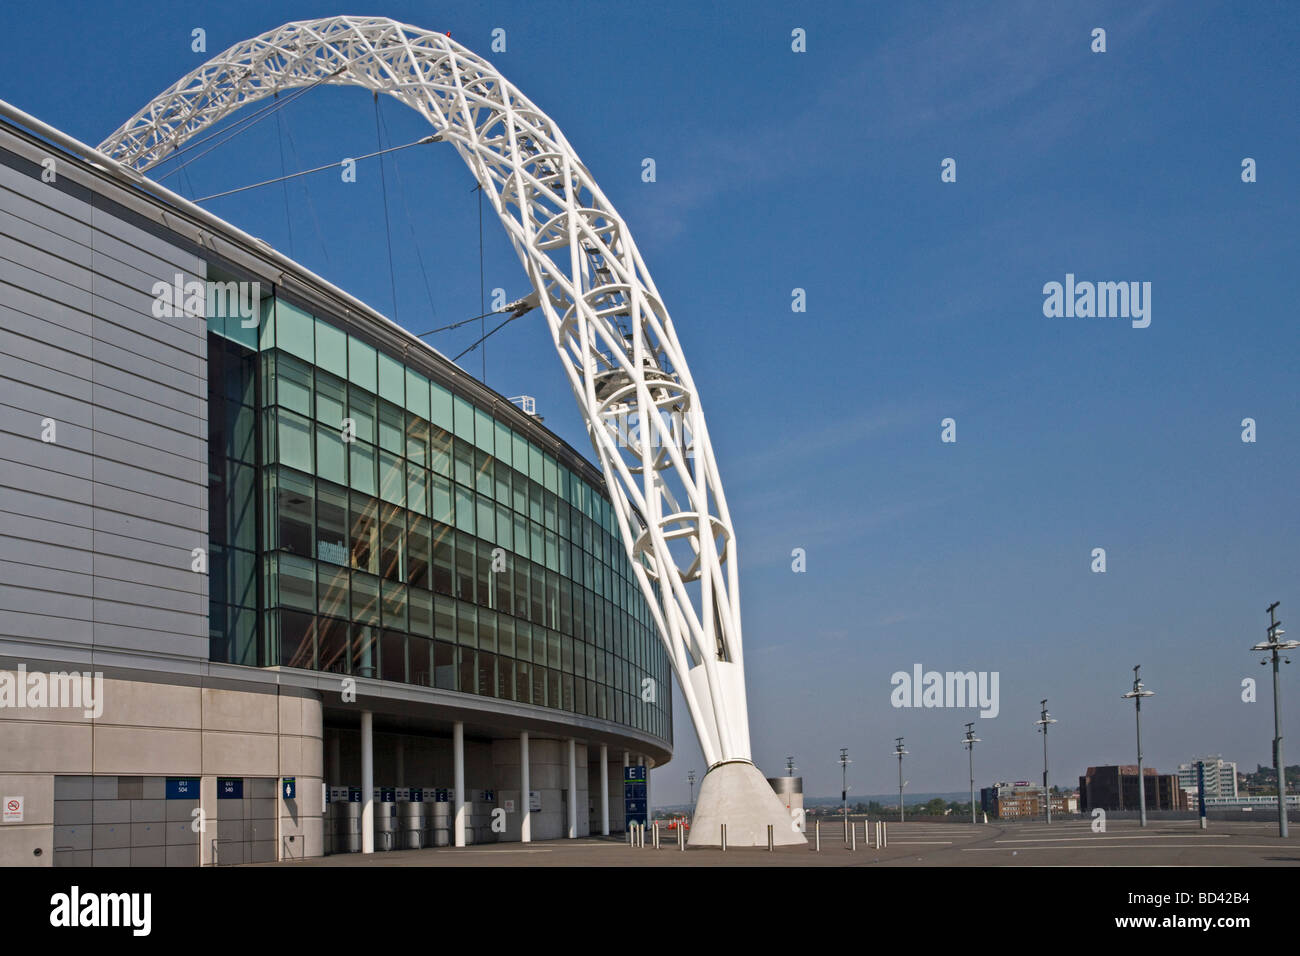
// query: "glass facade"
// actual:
[[366, 520]]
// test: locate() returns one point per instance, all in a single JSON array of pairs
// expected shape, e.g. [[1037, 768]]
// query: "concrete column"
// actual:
[[573, 789], [525, 805], [458, 762], [367, 782], [604, 790]]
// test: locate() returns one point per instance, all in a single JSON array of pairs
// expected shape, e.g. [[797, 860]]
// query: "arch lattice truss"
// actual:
[[615, 339]]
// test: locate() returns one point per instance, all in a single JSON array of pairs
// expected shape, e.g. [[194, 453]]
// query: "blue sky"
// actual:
[[820, 170]]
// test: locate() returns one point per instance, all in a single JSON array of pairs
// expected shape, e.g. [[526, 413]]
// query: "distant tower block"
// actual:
[[789, 790]]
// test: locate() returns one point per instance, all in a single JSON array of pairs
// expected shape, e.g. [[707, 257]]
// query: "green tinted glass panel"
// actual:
[[520, 458], [464, 509], [392, 380], [331, 348], [266, 334], [484, 430], [361, 365], [363, 468], [550, 475], [440, 404], [331, 455], [293, 434], [295, 331], [440, 508], [417, 393], [502, 450], [464, 414]]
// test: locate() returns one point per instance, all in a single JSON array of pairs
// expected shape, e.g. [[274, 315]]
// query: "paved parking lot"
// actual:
[[1164, 843]]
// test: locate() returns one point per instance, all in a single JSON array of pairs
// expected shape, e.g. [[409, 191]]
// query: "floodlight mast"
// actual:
[[609, 325], [969, 741], [1275, 644], [1136, 694], [1043, 723]]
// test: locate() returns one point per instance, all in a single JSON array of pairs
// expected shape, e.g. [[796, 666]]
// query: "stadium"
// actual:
[[330, 592], [368, 561]]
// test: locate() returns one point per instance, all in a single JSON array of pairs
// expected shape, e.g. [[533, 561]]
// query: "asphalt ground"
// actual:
[[1034, 844]]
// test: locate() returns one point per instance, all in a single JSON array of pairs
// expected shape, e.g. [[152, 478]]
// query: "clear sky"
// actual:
[[820, 170]]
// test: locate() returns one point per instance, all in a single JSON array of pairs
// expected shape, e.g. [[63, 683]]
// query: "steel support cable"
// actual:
[[248, 122], [484, 338], [284, 178], [410, 227], [311, 206], [388, 229], [317, 169]]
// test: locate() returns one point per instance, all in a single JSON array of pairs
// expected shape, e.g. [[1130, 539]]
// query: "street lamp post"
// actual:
[[1043, 722], [690, 779], [844, 788], [1275, 645], [1137, 693], [898, 749], [970, 740]]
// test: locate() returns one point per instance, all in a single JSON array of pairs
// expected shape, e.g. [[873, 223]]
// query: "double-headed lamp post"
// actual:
[[1137, 693], [898, 749], [1042, 723], [969, 742], [690, 779], [1275, 645]]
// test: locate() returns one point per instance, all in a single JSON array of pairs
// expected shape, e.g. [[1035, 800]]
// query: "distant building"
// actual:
[[1220, 779], [1116, 788], [1023, 800]]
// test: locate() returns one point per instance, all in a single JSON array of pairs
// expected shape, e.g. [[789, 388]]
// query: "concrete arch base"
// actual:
[[736, 793]]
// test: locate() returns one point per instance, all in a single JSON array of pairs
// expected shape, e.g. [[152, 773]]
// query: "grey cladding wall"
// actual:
[[96, 527]]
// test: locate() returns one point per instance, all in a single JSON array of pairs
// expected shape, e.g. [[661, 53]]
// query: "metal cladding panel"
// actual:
[[99, 524]]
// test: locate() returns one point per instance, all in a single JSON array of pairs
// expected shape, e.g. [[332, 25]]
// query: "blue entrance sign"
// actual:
[[289, 788], [182, 788], [354, 794], [230, 788], [634, 795]]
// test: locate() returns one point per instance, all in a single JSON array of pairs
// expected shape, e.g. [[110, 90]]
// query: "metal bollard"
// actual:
[[853, 836], [724, 838], [771, 842], [681, 837], [877, 844], [884, 832], [656, 834], [817, 830]]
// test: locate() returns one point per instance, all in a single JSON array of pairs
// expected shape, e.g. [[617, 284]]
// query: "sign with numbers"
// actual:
[[182, 788]]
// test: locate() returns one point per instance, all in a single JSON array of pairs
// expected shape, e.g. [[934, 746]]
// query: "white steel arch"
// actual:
[[615, 339]]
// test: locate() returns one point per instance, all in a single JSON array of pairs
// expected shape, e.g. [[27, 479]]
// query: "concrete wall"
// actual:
[[548, 774], [151, 729]]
